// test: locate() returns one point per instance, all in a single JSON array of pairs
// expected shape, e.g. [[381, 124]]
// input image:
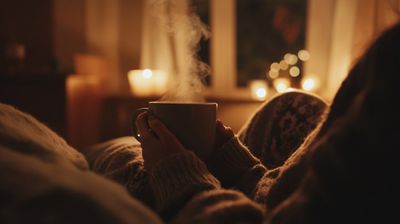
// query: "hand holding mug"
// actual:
[[192, 123], [222, 135], [157, 141]]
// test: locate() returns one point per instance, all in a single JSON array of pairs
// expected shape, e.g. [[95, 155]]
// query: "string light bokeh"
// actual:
[[288, 73], [285, 75]]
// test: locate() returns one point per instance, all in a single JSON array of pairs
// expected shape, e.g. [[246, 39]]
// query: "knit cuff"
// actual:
[[176, 178], [235, 155], [232, 161]]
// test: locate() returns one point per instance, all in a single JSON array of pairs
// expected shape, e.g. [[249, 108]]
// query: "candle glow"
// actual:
[[258, 89], [147, 82], [309, 84], [281, 84]]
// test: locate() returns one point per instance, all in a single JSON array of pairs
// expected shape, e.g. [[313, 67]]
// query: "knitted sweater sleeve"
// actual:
[[176, 179], [221, 206], [186, 192], [235, 166]]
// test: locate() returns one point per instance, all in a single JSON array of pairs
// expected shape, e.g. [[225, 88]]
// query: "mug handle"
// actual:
[[134, 117]]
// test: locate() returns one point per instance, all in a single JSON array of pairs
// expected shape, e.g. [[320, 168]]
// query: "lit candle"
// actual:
[[258, 89], [147, 82], [83, 105]]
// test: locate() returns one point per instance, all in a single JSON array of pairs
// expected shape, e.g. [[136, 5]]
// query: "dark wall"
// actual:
[[29, 24], [130, 22]]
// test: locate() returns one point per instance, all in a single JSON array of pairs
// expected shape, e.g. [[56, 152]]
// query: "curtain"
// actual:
[[163, 36], [340, 31]]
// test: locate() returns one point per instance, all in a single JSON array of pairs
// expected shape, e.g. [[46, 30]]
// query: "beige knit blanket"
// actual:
[[44, 180]]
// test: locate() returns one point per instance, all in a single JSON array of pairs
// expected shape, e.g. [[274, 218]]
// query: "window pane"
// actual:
[[266, 31]]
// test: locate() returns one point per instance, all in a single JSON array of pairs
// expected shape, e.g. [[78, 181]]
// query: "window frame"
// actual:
[[223, 52]]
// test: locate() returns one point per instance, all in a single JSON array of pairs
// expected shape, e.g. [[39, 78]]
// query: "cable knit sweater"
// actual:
[[182, 183], [174, 185], [344, 172]]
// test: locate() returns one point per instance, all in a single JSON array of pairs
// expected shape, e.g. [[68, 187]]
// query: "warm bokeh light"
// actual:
[[258, 89], [291, 59], [275, 67], [309, 84], [261, 93], [281, 84], [283, 65], [286, 57], [147, 73], [147, 82], [273, 74], [304, 55], [290, 89], [294, 71]]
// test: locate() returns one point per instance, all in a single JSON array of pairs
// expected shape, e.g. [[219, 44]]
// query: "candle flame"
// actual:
[[147, 74], [261, 93], [258, 89]]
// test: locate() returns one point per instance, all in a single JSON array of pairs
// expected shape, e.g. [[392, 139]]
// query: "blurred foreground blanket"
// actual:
[[44, 180]]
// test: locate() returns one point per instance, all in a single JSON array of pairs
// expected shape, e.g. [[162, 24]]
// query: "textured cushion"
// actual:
[[121, 160], [281, 125]]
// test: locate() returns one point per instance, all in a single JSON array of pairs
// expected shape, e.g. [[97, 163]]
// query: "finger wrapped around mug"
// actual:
[[192, 124], [164, 134], [143, 127], [156, 140]]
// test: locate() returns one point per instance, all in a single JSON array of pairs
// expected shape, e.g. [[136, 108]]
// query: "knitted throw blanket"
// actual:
[[281, 125]]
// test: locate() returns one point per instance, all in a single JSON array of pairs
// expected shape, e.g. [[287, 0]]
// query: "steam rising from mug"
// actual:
[[185, 30]]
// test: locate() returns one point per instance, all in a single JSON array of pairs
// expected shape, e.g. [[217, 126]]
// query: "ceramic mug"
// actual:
[[193, 123]]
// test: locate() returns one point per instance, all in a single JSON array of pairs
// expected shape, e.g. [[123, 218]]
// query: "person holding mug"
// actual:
[[177, 174], [294, 162], [192, 123]]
